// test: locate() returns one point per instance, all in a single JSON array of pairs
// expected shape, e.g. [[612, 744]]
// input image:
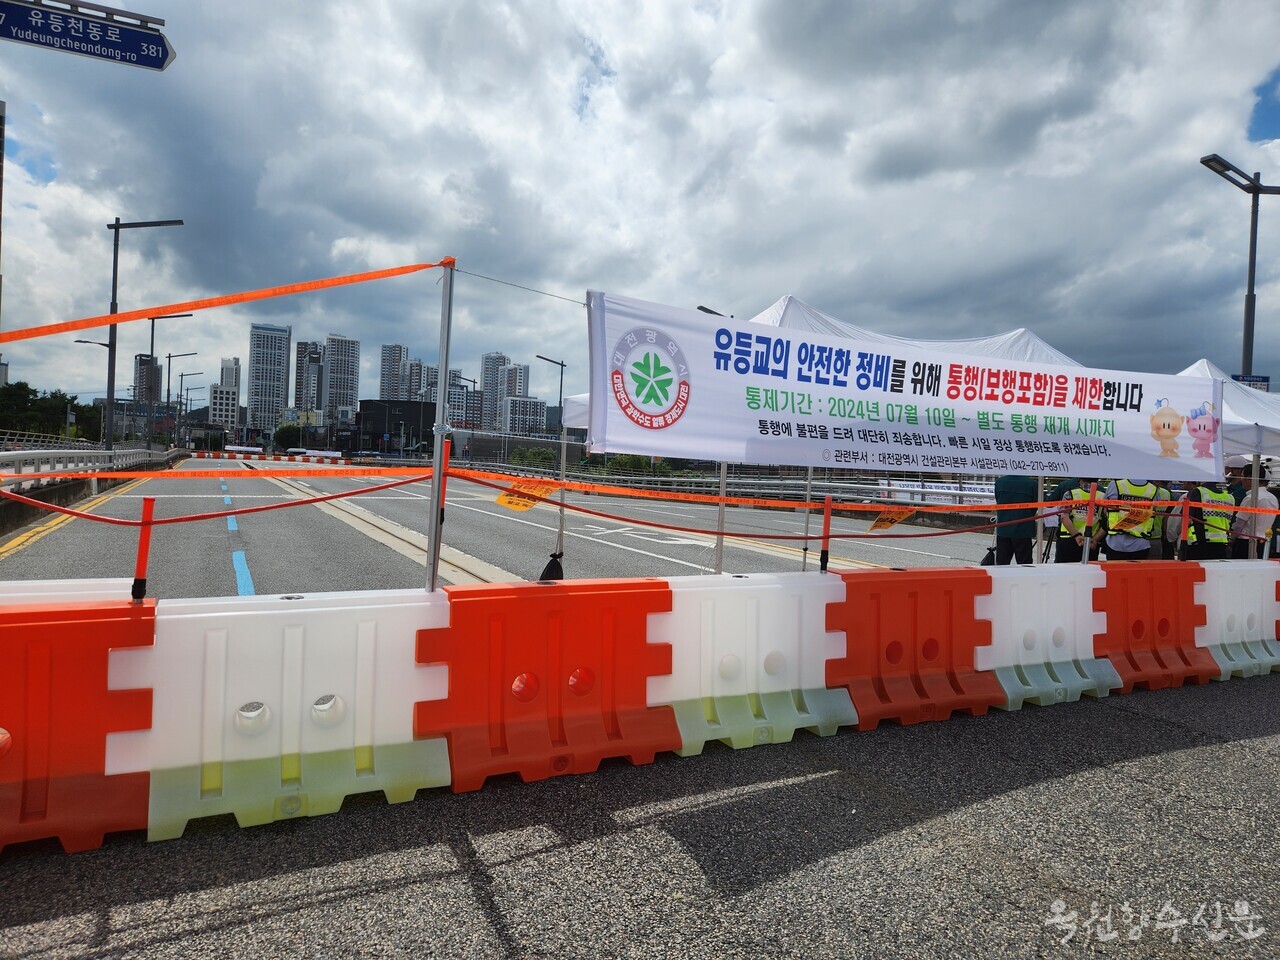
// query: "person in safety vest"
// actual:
[[1212, 511], [1073, 529], [1161, 549], [1129, 528]]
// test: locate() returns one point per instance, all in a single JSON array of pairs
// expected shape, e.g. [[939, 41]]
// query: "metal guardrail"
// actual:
[[901, 491], [75, 459]]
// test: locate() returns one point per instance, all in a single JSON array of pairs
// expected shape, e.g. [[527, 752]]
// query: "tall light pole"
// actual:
[[103, 431], [181, 404], [561, 365], [186, 410], [111, 336], [1253, 186], [554, 570], [151, 394], [168, 382]]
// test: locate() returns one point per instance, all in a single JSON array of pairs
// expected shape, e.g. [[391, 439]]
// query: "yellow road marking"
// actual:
[[26, 539]]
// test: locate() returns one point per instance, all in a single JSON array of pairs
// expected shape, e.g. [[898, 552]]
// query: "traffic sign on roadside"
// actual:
[[1262, 383], [74, 31]]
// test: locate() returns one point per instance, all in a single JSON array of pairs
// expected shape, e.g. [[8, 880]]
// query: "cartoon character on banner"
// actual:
[[1202, 428], [1166, 424]]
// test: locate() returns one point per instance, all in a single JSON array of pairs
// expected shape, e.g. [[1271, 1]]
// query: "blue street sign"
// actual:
[[1253, 380], [96, 37]]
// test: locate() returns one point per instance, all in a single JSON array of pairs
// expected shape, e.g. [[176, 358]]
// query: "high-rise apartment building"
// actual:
[[473, 411], [493, 383], [516, 380], [411, 378], [308, 375], [341, 375], [523, 415], [224, 396], [146, 379], [268, 374], [391, 372]]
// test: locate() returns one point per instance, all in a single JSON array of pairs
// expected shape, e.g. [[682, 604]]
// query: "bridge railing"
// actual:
[[74, 459]]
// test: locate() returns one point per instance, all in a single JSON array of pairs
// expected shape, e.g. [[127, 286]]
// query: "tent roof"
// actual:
[[576, 411], [1020, 344], [1250, 418]]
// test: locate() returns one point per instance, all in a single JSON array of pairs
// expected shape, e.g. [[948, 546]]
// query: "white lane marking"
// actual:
[[570, 533]]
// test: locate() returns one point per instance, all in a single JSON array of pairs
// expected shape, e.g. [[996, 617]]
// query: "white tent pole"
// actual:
[[1252, 500]]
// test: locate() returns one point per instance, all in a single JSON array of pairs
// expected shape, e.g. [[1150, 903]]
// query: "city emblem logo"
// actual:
[[649, 378]]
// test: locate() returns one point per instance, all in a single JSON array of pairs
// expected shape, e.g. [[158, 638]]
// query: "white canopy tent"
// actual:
[[577, 411], [1250, 418], [1020, 344]]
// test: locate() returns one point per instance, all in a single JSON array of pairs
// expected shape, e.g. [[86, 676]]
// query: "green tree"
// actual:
[[533, 457], [288, 436]]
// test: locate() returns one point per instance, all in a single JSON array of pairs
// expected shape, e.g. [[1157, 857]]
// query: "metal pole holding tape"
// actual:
[[441, 429]]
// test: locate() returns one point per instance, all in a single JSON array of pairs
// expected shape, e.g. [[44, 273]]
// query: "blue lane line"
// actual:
[[231, 523], [227, 501], [224, 488], [244, 582]]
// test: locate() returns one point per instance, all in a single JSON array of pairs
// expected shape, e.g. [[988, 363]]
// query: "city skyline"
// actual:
[[302, 366]]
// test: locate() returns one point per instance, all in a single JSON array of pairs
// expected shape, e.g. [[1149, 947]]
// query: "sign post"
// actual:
[[101, 34]]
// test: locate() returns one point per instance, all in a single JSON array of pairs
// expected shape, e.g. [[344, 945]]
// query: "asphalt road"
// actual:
[[307, 549], [990, 836]]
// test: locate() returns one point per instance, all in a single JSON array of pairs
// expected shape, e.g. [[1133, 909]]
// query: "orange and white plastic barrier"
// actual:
[[120, 716]]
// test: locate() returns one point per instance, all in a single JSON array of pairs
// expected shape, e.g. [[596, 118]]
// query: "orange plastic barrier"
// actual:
[[547, 678], [1152, 617], [911, 638], [56, 711]]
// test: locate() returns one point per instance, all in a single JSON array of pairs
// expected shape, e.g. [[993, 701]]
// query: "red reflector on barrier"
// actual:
[[911, 637], [547, 678], [1152, 617], [57, 711]]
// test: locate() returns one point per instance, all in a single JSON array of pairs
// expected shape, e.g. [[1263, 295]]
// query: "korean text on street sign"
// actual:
[[87, 36]]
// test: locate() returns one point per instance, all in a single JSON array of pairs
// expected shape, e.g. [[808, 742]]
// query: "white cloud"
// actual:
[[937, 170]]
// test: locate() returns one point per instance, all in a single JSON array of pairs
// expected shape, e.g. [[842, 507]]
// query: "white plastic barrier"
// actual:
[[65, 591], [1042, 631], [280, 706], [749, 657], [1241, 610]]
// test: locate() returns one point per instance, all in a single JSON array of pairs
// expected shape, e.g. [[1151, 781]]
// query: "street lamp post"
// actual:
[[561, 365], [186, 411], [1253, 186], [111, 336], [151, 394], [554, 570], [181, 404], [168, 383], [102, 429]]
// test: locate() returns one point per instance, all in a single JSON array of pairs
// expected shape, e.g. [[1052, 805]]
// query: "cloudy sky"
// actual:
[[946, 169]]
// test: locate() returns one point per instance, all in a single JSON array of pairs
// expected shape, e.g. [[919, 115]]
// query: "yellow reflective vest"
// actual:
[[1216, 513], [1116, 516], [1072, 523]]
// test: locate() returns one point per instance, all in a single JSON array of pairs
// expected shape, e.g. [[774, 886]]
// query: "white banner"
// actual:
[[680, 383]]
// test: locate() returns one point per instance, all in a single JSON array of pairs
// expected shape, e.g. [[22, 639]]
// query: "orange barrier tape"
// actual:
[[118, 521], [209, 302]]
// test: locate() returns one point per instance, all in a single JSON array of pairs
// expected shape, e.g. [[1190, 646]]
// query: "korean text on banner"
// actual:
[[666, 381]]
